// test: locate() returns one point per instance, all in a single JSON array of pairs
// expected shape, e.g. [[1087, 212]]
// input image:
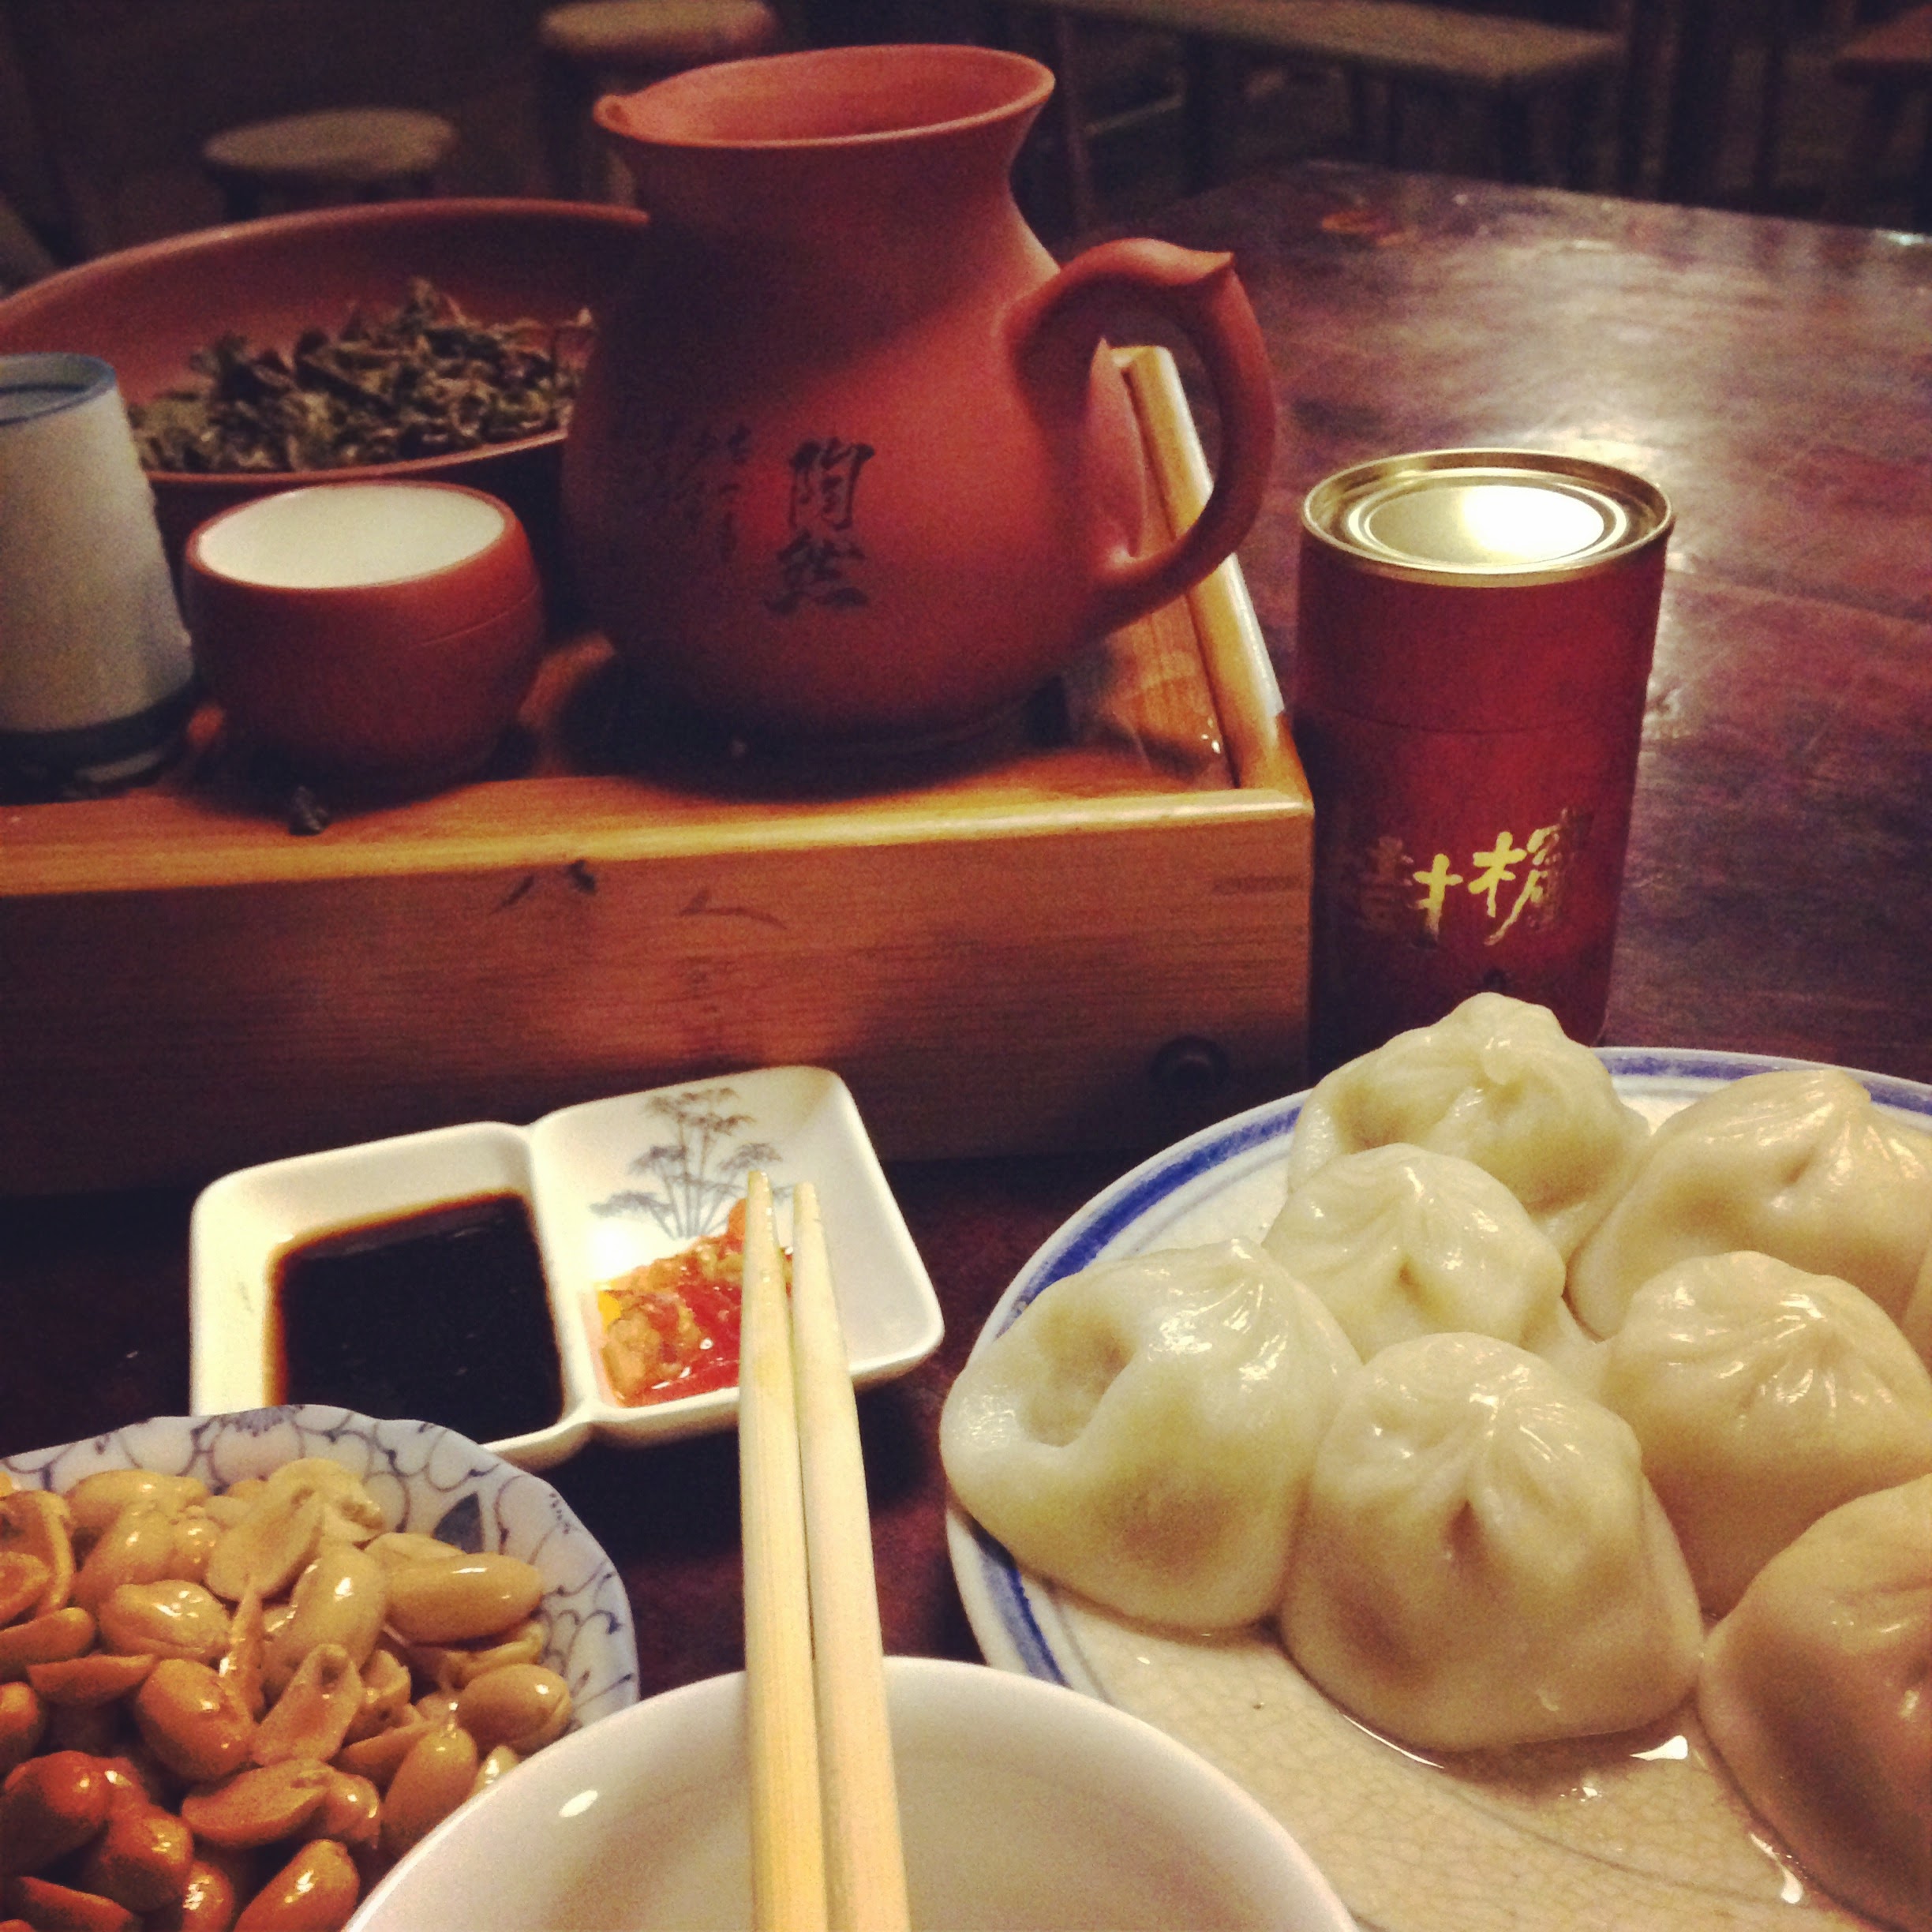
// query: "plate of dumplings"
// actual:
[[1513, 1463]]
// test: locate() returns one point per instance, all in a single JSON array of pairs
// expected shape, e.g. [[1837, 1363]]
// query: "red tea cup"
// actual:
[[374, 637]]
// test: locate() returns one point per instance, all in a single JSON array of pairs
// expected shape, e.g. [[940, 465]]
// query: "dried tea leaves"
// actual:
[[424, 380]]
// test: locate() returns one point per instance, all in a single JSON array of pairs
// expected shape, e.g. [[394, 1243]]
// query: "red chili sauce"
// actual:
[[441, 1314], [670, 1328]]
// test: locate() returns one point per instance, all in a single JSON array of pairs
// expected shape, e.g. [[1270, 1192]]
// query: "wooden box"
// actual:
[[1093, 936]]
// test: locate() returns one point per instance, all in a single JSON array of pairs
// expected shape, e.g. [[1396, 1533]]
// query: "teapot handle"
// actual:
[[1058, 328]]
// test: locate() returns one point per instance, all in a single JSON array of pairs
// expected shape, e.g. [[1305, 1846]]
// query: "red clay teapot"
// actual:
[[851, 460]]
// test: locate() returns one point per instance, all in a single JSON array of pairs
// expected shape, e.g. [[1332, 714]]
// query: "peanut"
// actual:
[[430, 1782], [268, 1546], [258, 1806], [312, 1715], [352, 1811], [196, 1534], [50, 1907], [168, 1617], [315, 1891], [35, 1523], [49, 1807], [501, 1760], [524, 1705], [248, 1644], [349, 1512], [141, 1860], [193, 1720], [96, 1679], [135, 1548], [386, 1688], [48, 1639], [23, 1577], [207, 1903], [378, 1759], [451, 1666], [437, 1707], [479, 1595], [94, 1501], [342, 1598]]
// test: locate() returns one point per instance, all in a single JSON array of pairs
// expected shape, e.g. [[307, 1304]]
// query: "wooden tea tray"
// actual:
[[1090, 936]]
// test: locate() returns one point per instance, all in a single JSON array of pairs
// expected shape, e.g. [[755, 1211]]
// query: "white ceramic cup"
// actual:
[[1024, 1805], [95, 666]]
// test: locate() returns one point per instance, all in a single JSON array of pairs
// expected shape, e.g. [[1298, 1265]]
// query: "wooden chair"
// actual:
[[1891, 62], [1694, 48], [590, 47], [1505, 64]]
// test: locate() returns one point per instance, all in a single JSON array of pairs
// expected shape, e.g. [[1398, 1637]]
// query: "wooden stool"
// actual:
[[591, 47], [1892, 62], [352, 154]]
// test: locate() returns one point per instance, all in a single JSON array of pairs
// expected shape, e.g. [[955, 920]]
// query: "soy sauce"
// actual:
[[441, 1314]]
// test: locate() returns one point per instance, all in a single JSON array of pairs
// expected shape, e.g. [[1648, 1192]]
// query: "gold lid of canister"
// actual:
[[1484, 516]]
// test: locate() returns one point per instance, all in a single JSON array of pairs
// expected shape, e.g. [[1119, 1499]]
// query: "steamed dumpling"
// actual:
[[1142, 1431], [1797, 1163], [1916, 1322], [1399, 1242], [1480, 1562], [1499, 1083], [1763, 1397], [1817, 1690]]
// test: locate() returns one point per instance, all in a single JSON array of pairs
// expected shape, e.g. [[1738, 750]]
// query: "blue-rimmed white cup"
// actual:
[[95, 675]]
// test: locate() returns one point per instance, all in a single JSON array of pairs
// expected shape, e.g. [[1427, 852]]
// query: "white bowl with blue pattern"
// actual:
[[427, 1479]]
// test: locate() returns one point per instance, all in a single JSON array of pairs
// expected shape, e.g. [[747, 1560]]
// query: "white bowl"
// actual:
[[427, 1479], [611, 1183], [1024, 1805]]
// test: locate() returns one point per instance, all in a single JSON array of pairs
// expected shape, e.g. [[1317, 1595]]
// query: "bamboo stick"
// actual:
[[787, 1859], [865, 1865]]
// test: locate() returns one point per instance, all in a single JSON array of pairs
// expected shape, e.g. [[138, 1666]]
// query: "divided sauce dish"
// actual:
[[609, 1186]]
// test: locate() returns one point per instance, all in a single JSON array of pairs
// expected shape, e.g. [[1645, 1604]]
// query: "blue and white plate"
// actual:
[[1555, 1839]]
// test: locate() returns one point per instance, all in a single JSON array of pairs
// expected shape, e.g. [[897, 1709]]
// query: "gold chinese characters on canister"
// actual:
[[1473, 647]]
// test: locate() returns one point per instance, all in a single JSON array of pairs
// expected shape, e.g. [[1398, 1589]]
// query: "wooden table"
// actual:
[[1771, 376]]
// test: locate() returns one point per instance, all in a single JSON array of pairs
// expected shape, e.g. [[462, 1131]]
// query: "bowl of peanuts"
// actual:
[[248, 1661]]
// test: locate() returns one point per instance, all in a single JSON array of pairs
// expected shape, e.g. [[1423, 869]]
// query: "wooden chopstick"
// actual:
[[865, 1864], [824, 1812], [787, 1855]]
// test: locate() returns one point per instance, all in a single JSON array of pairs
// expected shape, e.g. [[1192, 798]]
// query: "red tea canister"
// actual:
[[1473, 648]]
